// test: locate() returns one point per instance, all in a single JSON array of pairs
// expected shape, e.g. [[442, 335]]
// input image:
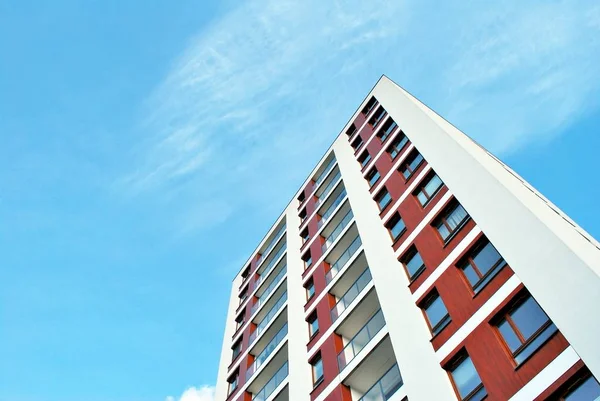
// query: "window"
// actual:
[[357, 143], [351, 131], [373, 176], [584, 390], [524, 328], [436, 312], [481, 264], [369, 106], [466, 379], [396, 226], [246, 273], [411, 164], [237, 348], [239, 321], [428, 188], [233, 382], [387, 128], [301, 197], [397, 145], [317, 369], [304, 235], [310, 289], [244, 295], [451, 221], [307, 260], [302, 215], [377, 117], [413, 263], [313, 324], [364, 159], [383, 199]]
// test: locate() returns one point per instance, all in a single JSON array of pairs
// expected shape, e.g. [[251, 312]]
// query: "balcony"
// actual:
[[352, 292], [385, 387], [274, 240], [274, 283], [273, 261], [325, 172], [361, 339], [331, 208], [267, 351], [272, 385], [337, 230], [343, 258], [266, 319], [326, 191]]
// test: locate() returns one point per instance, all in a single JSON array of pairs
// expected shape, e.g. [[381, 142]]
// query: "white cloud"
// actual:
[[253, 101], [204, 393]]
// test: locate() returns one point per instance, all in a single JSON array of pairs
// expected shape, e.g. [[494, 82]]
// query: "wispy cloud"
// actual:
[[248, 107], [204, 393]]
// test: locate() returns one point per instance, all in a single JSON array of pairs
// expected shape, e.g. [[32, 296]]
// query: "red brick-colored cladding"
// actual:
[[323, 310], [329, 352], [496, 367], [366, 133]]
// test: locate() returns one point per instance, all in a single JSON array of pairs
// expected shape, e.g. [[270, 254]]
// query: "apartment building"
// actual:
[[412, 264]]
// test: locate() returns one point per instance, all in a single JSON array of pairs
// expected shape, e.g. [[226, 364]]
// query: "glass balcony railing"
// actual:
[[337, 231], [361, 339], [325, 216], [385, 387], [272, 384], [271, 245], [343, 259], [270, 266], [325, 172], [328, 189], [269, 290], [267, 319], [262, 357], [350, 295]]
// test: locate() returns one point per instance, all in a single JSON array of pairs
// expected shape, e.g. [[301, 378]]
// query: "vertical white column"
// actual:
[[424, 379], [300, 378]]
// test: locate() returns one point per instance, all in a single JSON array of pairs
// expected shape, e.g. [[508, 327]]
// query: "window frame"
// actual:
[[311, 320], [369, 106], [314, 361], [389, 225], [454, 363], [469, 260], [402, 140], [444, 321], [307, 259], [421, 189], [384, 133], [233, 385], [238, 345], [381, 194], [374, 120], [367, 158], [442, 218], [358, 142], [407, 162], [373, 174], [408, 255], [309, 284]]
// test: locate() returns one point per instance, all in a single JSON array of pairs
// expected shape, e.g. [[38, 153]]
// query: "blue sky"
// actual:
[[147, 146]]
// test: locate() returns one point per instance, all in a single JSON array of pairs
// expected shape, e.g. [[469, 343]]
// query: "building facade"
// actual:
[[414, 265]]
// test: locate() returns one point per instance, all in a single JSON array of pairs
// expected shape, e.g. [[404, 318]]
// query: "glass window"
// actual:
[[364, 159], [233, 383], [482, 264], [397, 145], [413, 262], [307, 260], [466, 379], [389, 127], [525, 328], [411, 164], [586, 390], [383, 198], [313, 324], [310, 289], [317, 369], [451, 221], [436, 313], [369, 106], [237, 348], [351, 131], [429, 188], [377, 117], [396, 226], [357, 142], [373, 176]]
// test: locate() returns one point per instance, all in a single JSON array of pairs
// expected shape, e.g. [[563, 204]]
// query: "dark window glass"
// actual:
[[482, 264], [451, 221], [436, 313], [467, 381], [307, 260], [413, 262], [587, 390], [396, 226], [411, 164], [351, 131], [310, 289], [389, 127], [429, 188], [369, 106], [364, 159], [377, 117], [383, 199], [313, 324], [357, 142], [397, 145], [237, 348], [373, 176], [317, 369], [525, 328]]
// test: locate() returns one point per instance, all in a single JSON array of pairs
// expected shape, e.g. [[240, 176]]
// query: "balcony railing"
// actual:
[[361, 339], [271, 265], [385, 387], [271, 245], [343, 259], [272, 384], [262, 357], [269, 290], [350, 295], [325, 216], [328, 189], [337, 231], [267, 319], [325, 172]]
